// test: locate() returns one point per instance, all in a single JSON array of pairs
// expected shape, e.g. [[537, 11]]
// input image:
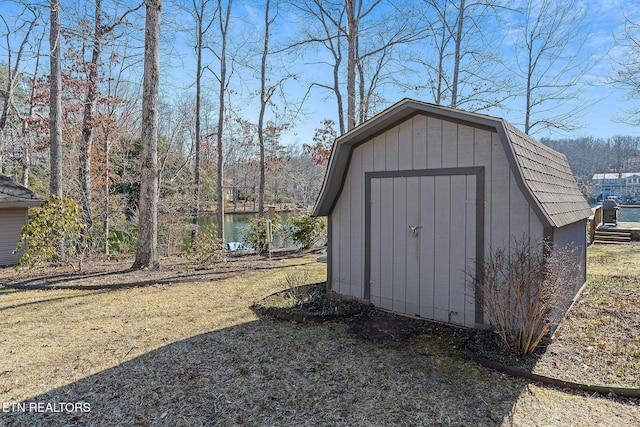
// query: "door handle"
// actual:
[[414, 229]]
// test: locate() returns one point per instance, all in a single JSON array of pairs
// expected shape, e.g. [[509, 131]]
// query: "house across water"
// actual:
[[623, 185]]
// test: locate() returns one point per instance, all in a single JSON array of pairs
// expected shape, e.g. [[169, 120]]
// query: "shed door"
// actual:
[[422, 238]]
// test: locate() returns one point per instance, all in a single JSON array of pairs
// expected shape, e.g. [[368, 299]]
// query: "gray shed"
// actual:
[[15, 201], [416, 194]]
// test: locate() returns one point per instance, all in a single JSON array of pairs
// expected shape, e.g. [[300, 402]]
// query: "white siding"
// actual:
[[11, 222], [419, 274], [416, 144]]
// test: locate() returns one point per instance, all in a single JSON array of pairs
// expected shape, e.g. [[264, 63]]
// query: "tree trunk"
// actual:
[[224, 25], [105, 222], [196, 166], [84, 171], [26, 146], [336, 90], [352, 57], [147, 250], [55, 101], [263, 107], [456, 64]]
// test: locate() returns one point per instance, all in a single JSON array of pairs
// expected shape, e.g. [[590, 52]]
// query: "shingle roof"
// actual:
[[549, 178], [14, 195], [544, 174]]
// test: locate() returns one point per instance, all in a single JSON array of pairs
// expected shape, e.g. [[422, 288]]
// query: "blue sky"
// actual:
[[606, 105]]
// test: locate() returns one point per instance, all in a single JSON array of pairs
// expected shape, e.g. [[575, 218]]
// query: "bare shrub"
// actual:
[[522, 290], [294, 286]]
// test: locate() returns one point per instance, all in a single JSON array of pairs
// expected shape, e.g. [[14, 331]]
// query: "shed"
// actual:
[[15, 201], [416, 196]]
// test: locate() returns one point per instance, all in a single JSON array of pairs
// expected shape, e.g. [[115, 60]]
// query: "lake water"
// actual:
[[235, 226], [629, 215]]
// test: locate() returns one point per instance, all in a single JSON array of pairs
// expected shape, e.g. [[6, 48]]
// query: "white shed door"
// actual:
[[423, 236]]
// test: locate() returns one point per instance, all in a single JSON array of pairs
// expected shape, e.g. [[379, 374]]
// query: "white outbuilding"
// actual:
[[416, 196]]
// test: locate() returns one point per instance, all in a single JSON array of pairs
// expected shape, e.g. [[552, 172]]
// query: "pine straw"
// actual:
[[194, 354]]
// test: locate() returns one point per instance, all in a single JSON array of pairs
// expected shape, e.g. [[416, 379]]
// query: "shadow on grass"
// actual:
[[280, 373], [49, 300], [127, 278]]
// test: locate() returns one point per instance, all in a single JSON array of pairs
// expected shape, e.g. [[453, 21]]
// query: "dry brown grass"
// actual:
[[193, 354], [599, 341]]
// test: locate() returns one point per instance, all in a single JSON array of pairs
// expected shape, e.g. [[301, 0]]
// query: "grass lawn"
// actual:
[[192, 353]]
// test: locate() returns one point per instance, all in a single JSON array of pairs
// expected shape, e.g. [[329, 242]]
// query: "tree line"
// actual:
[[588, 156], [157, 110]]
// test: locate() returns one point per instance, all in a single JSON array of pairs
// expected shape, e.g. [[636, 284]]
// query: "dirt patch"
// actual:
[[308, 303], [382, 327]]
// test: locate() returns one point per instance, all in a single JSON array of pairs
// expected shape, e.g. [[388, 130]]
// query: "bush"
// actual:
[[53, 234], [206, 248], [305, 230], [520, 290], [124, 240], [256, 236]]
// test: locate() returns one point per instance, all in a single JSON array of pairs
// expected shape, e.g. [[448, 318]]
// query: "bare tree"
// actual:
[[267, 92], [224, 14], [147, 250], [55, 100], [551, 62], [101, 31], [349, 25], [626, 74], [25, 22], [13, 69], [24, 119], [265, 95], [463, 67], [204, 20], [330, 36]]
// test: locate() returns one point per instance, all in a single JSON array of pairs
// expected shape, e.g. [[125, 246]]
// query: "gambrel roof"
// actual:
[[549, 178], [543, 174], [14, 195]]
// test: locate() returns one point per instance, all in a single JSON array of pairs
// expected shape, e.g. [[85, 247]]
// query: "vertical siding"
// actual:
[[450, 144], [392, 149], [413, 251], [399, 243], [356, 226], [427, 247], [500, 182], [466, 146], [573, 238], [434, 143], [418, 142], [442, 222], [376, 260], [387, 254], [458, 249], [519, 210], [406, 145], [470, 248], [444, 205], [11, 222]]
